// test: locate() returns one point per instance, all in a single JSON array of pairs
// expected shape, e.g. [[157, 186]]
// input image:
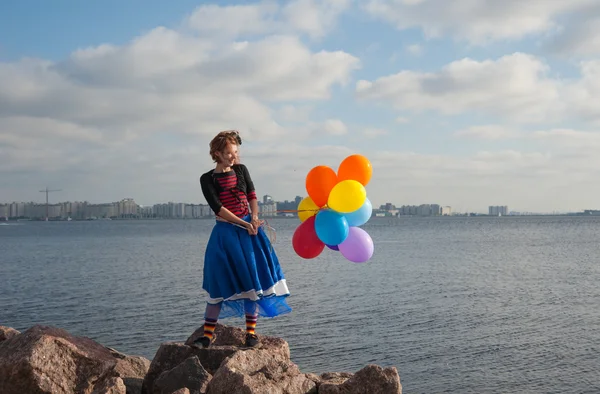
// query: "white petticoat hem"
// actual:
[[278, 289]]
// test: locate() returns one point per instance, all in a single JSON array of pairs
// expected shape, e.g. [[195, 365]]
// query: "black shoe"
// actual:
[[203, 342], [251, 340]]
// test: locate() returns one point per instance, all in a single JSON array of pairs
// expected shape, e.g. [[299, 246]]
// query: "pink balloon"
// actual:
[[358, 247]]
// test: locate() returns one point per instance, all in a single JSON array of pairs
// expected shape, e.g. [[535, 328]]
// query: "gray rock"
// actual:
[[371, 379], [260, 371], [50, 360], [189, 375]]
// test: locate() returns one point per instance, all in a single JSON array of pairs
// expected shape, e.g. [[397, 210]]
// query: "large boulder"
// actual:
[[50, 360], [371, 379], [229, 340], [131, 369], [260, 371], [189, 375]]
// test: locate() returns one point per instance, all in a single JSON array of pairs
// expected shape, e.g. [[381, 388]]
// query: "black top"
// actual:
[[211, 188]]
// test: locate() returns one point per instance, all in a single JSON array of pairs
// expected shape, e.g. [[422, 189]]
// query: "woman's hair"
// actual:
[[219, 143]]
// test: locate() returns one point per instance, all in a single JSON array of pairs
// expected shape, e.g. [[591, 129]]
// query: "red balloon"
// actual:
[[305, 240]]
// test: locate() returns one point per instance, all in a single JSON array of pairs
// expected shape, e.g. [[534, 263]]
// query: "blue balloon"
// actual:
[[331, 227], [361, 215]]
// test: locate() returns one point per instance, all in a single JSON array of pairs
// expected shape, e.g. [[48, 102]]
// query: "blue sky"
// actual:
[[455, 102]]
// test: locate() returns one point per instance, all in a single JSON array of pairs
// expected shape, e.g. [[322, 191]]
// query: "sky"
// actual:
[[464, 103]]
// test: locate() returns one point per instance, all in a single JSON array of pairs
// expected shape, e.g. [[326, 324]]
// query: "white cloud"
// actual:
[[477, 22], [569, 139], [310, 131], [514, 84], [311, 17], [235, 20], [149, 88], [334, 127], [518, 87], [372, 132], [295, 113], [135, 115], [520, 179], [314, 17], [581, 39], [582, 95], [415, 49], [487, 132], [561, 140]]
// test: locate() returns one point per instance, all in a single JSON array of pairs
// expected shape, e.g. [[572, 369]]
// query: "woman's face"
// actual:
[[229, 155]]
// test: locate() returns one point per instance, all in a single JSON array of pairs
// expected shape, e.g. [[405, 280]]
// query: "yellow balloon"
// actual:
[[307, 208], [347, 196]]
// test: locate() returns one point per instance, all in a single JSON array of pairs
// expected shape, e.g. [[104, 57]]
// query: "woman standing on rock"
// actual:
[[242, 274]]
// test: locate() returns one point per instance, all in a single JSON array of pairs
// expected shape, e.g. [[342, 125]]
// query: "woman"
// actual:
[[242, 274]]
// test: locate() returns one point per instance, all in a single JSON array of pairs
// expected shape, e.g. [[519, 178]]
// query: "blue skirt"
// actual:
[[240, 268]]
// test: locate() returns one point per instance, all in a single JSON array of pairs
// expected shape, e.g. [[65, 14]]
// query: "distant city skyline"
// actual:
[[477, 104], [291, 204]]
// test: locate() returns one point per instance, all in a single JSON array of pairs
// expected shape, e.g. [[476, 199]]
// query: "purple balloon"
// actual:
[[358, 247], [333, 247]]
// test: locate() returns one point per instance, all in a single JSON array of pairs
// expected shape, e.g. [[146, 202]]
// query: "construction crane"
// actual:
[[48, 191]]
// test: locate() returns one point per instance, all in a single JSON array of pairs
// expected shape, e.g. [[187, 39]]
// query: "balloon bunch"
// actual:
[[335, 207]]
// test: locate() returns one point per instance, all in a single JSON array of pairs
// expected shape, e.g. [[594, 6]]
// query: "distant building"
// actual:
[[268, 208], [497, 210], [446, 211], [424, 210], [127, 208], [387, 207]]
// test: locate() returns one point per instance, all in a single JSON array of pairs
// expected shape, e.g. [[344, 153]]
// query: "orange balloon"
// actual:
[[357, 168], [319, 182]]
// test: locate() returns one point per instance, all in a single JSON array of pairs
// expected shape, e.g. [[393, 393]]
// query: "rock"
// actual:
[[7, 333], [229, 341], [131, 369], [50, 360], [260, 371], [188, 375], [372, 379], [234, 336], [334, 378], [112, 385]]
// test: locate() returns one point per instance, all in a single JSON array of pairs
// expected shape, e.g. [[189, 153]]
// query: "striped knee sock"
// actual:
[[251, 323], [209, 327]]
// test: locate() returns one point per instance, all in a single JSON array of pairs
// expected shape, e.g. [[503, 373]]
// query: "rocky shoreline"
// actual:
[[49, 360]]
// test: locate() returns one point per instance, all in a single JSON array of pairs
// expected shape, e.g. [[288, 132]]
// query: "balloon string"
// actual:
[[299, 210]]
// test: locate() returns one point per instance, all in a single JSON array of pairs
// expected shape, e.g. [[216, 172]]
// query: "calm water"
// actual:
[[458, 305]]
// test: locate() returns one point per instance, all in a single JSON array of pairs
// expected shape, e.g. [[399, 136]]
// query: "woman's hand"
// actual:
[[252, 230], [256, 223]]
